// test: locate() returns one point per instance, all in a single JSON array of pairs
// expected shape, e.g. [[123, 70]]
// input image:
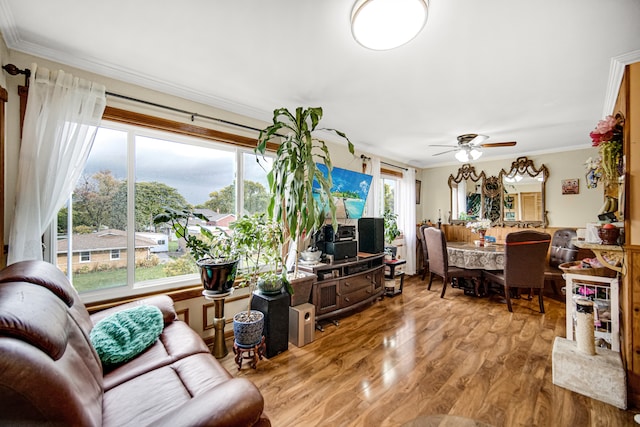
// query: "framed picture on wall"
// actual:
[[418, 190], [570, 186]]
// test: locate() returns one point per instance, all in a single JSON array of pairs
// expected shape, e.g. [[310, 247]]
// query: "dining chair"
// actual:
[[524, 264], [425, 252], [562, 250], [439, 261]]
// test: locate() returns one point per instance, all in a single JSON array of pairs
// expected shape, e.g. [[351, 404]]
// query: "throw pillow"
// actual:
[[121, 336]]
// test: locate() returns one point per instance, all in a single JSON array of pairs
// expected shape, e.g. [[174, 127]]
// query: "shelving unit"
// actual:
[[603, 291]]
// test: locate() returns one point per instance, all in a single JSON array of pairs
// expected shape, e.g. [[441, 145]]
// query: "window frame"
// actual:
[[154, 126]]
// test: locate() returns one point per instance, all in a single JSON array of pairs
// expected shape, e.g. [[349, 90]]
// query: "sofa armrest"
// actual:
[[163, 302], [236, 402]]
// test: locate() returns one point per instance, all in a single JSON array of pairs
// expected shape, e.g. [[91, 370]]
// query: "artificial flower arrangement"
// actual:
[[481, 225], [608, 137]]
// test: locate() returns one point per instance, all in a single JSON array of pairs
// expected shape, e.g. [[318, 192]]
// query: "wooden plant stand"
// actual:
[[253, 353]]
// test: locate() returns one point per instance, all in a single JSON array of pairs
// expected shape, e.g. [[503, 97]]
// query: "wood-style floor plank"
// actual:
[[416, 355]]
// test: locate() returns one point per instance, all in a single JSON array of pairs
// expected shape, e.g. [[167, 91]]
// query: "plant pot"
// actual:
[[391, 250], [217, 278], [302, 289], [247, 330], [271, 286]]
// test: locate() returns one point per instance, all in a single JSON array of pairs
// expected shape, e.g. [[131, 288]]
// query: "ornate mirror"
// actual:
[[491, 190], [465, 195], [523, 194]]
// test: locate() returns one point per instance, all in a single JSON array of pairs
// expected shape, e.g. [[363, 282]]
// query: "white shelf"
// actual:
[[604, 292]]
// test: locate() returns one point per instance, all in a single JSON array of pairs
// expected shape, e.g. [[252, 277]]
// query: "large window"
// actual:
[[132, 173]]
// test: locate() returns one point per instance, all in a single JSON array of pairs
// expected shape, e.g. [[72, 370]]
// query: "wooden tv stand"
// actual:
[[346, 285]]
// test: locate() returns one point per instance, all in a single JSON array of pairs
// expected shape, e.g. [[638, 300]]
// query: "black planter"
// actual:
[[217, 278]]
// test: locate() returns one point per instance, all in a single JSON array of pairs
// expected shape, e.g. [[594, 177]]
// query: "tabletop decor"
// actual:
[[607, 136], [480, 227]]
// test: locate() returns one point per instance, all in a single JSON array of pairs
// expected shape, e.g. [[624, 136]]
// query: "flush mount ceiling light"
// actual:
[[387, 24]]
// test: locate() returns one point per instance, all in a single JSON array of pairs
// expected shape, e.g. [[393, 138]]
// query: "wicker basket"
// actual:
[[599, 271]]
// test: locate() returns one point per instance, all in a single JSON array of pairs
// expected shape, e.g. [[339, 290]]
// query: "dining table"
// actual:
[[469, 256]]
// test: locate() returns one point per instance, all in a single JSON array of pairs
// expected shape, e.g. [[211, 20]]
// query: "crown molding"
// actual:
[[616, 72]]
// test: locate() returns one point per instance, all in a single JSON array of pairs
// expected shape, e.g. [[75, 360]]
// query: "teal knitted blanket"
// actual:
[[123, 335]]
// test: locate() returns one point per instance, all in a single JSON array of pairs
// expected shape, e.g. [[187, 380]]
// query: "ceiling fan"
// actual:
[[469, 145]]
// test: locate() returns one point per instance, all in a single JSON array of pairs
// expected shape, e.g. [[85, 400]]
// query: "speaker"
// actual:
[[342, 250], [302, 324], [276, 320], [371, 235]]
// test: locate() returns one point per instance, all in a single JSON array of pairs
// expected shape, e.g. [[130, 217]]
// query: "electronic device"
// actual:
[[302, 322], [371, 235], [342, 250]]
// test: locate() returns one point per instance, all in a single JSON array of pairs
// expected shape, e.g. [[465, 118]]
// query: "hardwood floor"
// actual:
[[416, 354]]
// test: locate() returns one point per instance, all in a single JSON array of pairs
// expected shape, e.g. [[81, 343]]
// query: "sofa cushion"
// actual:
[[22, 318], [125, 334]]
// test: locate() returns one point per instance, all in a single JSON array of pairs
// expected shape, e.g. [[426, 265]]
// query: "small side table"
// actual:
[[253, 353], [392, 264], [219, 345]]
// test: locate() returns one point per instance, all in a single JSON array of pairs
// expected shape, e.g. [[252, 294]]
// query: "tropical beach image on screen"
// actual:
[[349, 191]]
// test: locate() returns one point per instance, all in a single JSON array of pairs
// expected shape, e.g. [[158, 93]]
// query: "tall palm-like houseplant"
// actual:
[[291, 179]]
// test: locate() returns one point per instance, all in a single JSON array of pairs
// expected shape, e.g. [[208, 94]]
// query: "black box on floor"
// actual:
[[276, 320]]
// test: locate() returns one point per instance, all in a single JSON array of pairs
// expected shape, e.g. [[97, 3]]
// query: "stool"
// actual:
[[253, 353]]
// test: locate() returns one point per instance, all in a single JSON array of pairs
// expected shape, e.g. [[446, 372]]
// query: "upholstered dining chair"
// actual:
[[425, 252], [562, 250], [439, 261], [524, 264]]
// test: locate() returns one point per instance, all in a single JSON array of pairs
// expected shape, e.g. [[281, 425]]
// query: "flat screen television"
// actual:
[[349, 191]]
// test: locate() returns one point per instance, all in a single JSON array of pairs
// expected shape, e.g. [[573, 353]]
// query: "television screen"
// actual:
[[349, 191]]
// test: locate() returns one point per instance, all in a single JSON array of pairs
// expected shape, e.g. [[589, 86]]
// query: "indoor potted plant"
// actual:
[[215, 253], [391, 233], [259, 244], [258, 241], [294, 201]]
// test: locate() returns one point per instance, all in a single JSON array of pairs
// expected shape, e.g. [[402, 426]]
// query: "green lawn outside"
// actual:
[[84, 282]]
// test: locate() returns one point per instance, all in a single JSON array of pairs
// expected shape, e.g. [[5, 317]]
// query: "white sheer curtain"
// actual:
[[407, 217], [375, 192], [60, 123]]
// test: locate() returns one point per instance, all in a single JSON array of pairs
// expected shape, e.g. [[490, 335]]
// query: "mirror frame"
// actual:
[[524, 166], [465, 172], [492, 189]]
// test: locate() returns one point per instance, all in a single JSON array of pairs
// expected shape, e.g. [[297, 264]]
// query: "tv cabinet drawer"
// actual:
[[357, 296], [355, 283]]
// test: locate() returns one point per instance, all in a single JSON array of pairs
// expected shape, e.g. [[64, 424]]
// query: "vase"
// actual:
[[482, 233]]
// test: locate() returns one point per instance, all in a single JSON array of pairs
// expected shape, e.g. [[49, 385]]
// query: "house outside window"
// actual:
[[131, 174], [85, 256]]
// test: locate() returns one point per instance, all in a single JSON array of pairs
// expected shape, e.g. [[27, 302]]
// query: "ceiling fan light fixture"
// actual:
[[387, 24], [475, 153], [462, 156]]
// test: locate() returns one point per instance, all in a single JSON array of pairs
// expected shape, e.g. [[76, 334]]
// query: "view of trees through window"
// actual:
[[130, 176], [389, 190]]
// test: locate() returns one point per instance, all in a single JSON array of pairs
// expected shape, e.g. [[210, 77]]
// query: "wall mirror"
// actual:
[[523, 194], [466, 195], [491, 190]]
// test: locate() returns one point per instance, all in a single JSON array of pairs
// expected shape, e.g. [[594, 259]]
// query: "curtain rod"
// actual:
[[392, 165], [14, 71], [365, 159], [178, 110]]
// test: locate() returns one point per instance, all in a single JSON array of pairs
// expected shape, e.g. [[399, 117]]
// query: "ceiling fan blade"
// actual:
[[498, 144], [445, 152], [438, 145]]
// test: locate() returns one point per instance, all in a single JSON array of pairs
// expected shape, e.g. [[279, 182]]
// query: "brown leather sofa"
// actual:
[[51, 374]]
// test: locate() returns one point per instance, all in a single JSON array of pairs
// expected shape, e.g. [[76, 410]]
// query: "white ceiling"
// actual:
[[531, 71]]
